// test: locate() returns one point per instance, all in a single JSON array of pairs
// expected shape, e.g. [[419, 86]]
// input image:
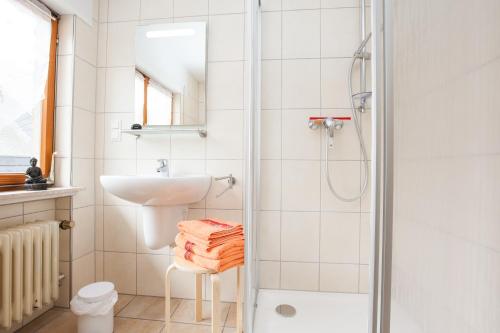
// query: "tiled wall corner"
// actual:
[[308, 239]]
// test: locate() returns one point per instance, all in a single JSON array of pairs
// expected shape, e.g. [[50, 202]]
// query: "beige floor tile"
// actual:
[[231, 317], [185, 312], [188, 328], [53, 321], [123, 300], [229, 330], [148, 307], [128, 325]]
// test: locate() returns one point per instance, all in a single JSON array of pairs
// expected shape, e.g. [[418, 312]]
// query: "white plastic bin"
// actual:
[[93, 304]]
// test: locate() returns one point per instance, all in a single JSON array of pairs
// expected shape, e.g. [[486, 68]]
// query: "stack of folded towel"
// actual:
[[211, 243]]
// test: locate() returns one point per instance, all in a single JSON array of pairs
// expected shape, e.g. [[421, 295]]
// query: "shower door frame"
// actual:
[[382, 168]]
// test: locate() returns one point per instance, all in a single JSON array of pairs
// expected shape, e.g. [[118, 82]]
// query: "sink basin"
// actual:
[[164, 201], [157, 190]]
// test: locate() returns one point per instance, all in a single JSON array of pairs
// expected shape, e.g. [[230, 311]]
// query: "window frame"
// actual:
[[47, 123]]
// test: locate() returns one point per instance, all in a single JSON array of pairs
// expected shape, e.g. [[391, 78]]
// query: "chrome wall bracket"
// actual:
[[230, 183]]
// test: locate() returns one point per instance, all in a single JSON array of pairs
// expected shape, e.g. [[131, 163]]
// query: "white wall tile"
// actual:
[[301, 185], [271, 35], [102, 44], [232, 199], [121, 269], [190, 8], [83, 133], [117, 145], [300, 236], [301, 83], [63, 125], [11, 210], [83, 176], [269, 236], [339, 3], [300, 4], [86, 41], [271, 84], [341, 278], [226, 37], [119, 95], [64, 93], [120, 228], [301, 34], [100, 97], [226, 6], [119, 10], [269, 274], [345, 176], [182, 284], [270, 5], [121, 44], [188, 147], [365, 239], [153, 147], [225, 86], [299, 141], [270, 127], [334, 83], [225, 140], [157, 9], [233, 215], [364, 286], [270, 185], [82, 272], [39, 206], [299, 276], [84, 85], [340, 237], [82, 235], [151, 274], [99, 228], [99, 266], [339, 32]]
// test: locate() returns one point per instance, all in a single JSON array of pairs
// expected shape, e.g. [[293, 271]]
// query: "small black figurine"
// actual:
[[34, 177]]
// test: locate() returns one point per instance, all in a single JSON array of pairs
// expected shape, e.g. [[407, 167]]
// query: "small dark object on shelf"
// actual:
[[136, 127], [34, 177]]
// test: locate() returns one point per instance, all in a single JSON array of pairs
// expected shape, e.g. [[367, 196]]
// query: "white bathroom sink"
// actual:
[[164, 201], [153, 190]]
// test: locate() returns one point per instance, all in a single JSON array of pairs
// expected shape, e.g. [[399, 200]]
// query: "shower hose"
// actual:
[[329, 138]]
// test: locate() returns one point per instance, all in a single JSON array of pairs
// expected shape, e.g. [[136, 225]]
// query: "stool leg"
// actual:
[[198, 309], [170, 270], [215, 303], [239, 307]]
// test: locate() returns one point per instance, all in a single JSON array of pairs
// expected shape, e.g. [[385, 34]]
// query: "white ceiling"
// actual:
[[168, 59]]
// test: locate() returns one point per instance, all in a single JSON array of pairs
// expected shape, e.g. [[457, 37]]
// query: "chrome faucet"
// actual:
[[163, 169]]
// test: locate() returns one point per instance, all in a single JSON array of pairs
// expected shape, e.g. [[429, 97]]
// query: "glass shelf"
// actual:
[[166, 131]]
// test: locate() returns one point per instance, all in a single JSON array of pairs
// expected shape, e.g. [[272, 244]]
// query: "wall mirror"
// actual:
[[170, 74]]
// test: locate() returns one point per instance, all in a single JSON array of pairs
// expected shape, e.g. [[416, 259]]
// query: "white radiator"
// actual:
[[29, 269]]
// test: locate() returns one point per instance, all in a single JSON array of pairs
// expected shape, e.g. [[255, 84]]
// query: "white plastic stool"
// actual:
[[185, 266]]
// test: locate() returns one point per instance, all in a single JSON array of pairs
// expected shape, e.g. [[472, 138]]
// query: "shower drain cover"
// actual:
[[286, 310]]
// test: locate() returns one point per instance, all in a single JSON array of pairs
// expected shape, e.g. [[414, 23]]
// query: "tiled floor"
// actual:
[[139, 314]]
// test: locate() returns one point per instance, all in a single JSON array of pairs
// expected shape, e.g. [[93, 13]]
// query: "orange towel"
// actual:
[[217, 265], [227, 249], [210, 244], [209, 229]]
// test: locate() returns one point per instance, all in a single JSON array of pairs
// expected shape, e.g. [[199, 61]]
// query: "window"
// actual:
[[152, 101], [27, 88]]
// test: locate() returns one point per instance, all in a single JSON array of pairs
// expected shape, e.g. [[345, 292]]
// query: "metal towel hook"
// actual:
[[230, 181]]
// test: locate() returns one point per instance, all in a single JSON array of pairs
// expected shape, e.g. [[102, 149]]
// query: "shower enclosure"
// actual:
[[299, 187]]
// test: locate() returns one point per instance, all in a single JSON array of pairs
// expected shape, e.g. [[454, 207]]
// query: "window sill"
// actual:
[[10, 197]]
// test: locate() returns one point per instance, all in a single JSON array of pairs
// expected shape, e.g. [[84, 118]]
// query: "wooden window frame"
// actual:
[[47, 123]]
